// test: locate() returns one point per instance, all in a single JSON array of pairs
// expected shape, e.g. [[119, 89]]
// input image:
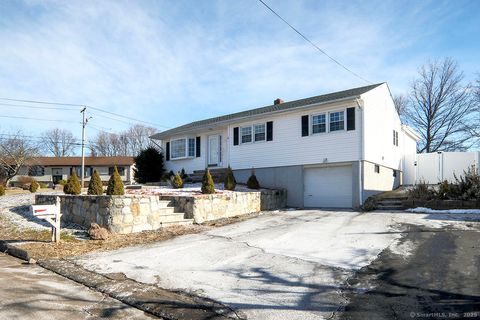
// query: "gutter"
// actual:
[[253, 117]]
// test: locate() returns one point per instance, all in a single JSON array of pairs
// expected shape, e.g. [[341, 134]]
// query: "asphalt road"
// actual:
[[31, 292], [439, 280]]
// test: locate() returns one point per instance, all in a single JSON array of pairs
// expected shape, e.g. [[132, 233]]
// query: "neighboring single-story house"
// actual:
[[51, 170], [332, 150]]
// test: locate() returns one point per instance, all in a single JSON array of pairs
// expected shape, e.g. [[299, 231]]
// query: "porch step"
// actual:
[[218, 175], [390, 204], [172, 217], [182, 222]]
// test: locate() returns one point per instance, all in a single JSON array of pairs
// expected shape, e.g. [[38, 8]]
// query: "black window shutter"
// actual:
[[304, 126], [269, 130], [350, 119], [235, 136], [197, 147], [167, 151]]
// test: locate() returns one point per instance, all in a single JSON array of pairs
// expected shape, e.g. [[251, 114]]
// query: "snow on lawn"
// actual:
[[189, 189], [452, 211]]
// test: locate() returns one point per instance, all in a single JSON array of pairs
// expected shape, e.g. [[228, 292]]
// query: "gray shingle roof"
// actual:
[[350, 93]]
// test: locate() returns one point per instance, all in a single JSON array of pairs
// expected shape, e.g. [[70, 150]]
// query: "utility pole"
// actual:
[[84, 123]]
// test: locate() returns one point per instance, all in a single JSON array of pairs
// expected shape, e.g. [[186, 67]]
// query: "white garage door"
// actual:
[[329, 187]]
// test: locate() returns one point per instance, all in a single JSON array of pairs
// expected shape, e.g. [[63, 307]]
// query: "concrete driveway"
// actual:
[[282, 265]]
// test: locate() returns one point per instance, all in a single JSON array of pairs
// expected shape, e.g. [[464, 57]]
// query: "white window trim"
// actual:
[[251, 134], [264, 124], [327, 126], [185, 139], [344, 110]]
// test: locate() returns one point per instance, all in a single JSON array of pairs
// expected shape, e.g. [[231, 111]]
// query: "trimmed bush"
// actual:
[[230, 182], [2, 190], [177, 181], [115, 184], [73, 185], [95, 187], [208, 187], [33, 186], [62, 182], [252, 182]]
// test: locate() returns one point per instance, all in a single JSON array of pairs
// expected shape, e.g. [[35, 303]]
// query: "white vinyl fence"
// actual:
[[434, 168]]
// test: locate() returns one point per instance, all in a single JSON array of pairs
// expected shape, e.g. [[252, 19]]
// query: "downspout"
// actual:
[[361, 153]]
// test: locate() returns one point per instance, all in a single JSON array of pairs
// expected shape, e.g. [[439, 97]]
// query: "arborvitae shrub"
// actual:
[[252, 182], [177, 181], [95, 187], [73, 185], [115, 184], [2, 190], [34, 186], [208, 187], [230, 182]]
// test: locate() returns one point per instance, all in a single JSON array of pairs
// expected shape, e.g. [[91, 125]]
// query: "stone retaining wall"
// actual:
[[442, 204], [119, 214], [216, 206]]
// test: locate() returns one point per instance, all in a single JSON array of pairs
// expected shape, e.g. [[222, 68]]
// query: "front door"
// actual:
[[214, 150]]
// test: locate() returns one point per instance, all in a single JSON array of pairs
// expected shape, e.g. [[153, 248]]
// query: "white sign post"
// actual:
[[50, 213]]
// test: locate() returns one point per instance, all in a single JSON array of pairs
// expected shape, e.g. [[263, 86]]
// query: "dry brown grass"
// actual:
[[38, 244]]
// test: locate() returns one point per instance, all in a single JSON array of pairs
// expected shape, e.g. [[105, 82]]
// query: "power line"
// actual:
[[94, 108], [36, 107], [38, 119], [313, 44]]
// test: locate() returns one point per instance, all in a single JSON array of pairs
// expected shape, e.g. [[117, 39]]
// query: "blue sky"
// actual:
[[172, 62]]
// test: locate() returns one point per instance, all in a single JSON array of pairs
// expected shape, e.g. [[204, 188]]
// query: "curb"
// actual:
[[12, 250], [166, 304]]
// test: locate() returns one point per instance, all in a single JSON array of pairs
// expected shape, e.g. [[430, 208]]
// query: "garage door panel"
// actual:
[[328, 187]]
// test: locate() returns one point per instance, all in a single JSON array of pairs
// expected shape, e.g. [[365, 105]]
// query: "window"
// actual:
[[319, 124], [337, 121], [395, 138], [191, 147], [377, 168], [78, 170], [178, 148], [121, 170], [259, 131], [36, 171], [246, 133]]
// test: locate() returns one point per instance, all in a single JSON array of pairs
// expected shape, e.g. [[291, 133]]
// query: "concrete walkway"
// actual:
[[31, 292], [285, 265]]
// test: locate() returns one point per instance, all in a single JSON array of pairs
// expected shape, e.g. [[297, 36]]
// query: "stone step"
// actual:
[[164, 204], [390, 208], [166, 210], [390, 202], [178, 216], [183, 222]]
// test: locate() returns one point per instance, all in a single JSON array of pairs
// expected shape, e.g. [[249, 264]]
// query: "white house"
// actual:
[[332, 150]]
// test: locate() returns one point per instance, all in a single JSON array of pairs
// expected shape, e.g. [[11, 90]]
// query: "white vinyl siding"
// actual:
[[290, 148]]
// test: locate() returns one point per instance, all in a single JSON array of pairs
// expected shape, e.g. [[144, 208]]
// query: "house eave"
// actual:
[[223, 123]]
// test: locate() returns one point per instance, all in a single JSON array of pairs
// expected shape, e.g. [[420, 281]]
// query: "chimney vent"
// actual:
[[278, 101]]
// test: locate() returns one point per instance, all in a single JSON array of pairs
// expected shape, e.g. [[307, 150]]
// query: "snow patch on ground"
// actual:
[[189, 189], [450, 211]]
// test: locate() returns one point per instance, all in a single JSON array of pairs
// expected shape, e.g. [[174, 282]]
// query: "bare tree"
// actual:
[[126, 143], [401, 104], [139, 137], [15, 152], [440, 107], [59, 142]]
